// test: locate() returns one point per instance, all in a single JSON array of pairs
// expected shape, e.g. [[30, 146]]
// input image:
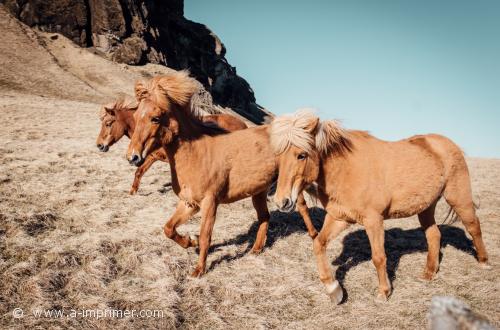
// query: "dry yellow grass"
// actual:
[[71, 237]]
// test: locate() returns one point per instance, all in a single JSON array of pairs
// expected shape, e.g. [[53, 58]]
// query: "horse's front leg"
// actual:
[[304, 212], [331, 228], [160, 154], [182, 213], [208, 211], [374, 227]]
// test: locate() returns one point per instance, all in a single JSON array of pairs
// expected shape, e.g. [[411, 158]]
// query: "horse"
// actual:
[[361, 179], [117, 120], [208, 166]]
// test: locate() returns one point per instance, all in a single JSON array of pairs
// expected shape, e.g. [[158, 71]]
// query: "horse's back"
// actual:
[[226, 121]]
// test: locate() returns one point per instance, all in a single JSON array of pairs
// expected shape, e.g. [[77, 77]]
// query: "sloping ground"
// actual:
[[48, 64]]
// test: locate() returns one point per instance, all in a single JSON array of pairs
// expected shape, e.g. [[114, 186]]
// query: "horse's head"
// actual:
[[114, 123], [157, 117], [299, 140], [292, 138]]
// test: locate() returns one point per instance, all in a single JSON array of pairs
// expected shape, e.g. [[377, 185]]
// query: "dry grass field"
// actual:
[[72, 238]]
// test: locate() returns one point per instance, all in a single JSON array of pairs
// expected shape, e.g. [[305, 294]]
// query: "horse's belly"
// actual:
[[255, 180], [415, 196]]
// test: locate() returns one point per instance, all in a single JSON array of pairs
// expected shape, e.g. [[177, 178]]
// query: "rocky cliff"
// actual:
[[137, 32]]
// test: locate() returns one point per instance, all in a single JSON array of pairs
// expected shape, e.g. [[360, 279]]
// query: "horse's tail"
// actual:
[[452, 215]]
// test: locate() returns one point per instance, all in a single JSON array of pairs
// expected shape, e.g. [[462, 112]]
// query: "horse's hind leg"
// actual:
[[182, 213], [208, 212], [458, 194], [302, 208], [259, 202], [433, 236]]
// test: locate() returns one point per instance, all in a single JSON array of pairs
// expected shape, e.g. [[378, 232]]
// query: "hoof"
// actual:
[[485, 265], [193, 240], [427, 276], [334, 290], [132, 191], [256, 251], [381, 298], [198, 272]]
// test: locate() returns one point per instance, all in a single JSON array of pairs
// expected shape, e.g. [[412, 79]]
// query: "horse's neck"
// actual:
[[190, 143], [191, 128]]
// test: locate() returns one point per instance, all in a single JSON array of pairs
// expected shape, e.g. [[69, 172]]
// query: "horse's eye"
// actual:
[[109, 124], [155, 120], [302, 156]]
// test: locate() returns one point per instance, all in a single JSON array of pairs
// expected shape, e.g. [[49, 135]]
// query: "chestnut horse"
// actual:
[[117, 120], [208, 167], [366, 180]]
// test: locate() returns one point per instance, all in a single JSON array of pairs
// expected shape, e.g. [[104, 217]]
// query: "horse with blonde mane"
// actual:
[[209, 167], [117, 120], [364, 180]]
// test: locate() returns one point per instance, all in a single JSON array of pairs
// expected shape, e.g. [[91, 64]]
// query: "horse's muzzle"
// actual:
[[287, 205], [102, 147], [136, 160]]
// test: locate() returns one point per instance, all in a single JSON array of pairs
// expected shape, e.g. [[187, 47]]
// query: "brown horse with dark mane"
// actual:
[[209, 166], [117, 120], [364, 180]]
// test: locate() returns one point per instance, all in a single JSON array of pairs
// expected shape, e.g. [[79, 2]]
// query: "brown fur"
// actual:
[[377, 180], [117, 120], [208, 166]]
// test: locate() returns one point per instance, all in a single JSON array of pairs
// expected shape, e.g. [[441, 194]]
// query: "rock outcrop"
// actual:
[[137, 32]]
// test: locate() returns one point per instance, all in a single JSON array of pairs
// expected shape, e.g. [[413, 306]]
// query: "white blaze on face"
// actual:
[[143, 113], [295, 193]]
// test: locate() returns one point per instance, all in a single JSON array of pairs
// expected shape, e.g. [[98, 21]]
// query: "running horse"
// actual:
[[209, 166], [364, 180], [117, 120]]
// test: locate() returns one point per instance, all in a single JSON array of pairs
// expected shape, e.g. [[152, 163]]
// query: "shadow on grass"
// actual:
[[355, 245], [398, 242], [281, 225]]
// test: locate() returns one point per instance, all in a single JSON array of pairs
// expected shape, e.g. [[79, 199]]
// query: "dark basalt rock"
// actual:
[[145, 31]]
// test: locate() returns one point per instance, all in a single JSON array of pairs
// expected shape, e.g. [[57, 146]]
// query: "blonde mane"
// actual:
[[176, 87], [123, 103], [294, 129], [331, 136], [304, 130]]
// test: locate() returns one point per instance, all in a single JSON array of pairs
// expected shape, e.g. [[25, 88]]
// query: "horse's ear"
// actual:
[[312, 125], [110, 108], [141, 90]]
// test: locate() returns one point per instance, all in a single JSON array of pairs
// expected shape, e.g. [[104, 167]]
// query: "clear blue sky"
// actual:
[[395, 68]]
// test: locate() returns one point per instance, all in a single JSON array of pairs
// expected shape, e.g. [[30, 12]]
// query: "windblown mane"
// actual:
[[331, 136], [124, 102], [292, 129], [177, 88], [304, 130]]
